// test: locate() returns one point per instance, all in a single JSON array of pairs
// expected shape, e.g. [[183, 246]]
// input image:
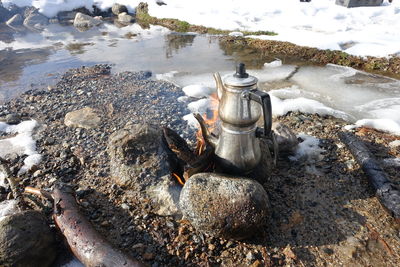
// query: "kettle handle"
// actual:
[[264, 99]]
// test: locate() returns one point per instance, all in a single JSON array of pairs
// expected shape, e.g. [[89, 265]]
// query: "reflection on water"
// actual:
[[33, 60], [175, 42]]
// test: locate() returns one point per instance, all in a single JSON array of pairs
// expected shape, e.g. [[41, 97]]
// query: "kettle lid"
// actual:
[[241, 78]]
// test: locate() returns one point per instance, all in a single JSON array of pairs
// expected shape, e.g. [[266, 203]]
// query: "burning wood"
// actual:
[[85, 242], [189, 162]]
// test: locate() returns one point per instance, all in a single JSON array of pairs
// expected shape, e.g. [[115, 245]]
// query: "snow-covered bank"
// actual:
[[360, 31]]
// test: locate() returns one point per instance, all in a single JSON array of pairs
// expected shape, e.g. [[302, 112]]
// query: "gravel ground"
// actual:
[[324, 213]]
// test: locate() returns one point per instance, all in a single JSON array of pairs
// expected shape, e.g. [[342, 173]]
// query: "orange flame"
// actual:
[[178, 178], [211, 123]]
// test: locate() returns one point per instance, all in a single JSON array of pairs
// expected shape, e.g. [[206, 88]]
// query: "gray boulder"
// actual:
[[358, 3], [125, 18], [26, 240], [224, 206], [36, 21], [16, 21], [137, 158], [85, 22], [118, 9]]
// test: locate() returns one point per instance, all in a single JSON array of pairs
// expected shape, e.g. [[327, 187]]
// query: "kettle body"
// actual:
[[241, 104]]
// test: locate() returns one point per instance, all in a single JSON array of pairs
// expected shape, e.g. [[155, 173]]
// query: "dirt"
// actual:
[[323, 213]]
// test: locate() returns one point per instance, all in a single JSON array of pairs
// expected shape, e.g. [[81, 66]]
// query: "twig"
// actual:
[[39, 192]]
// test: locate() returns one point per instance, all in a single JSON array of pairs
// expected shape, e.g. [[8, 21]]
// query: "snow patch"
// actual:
[[197, 90], [20, 144], [308, 150]]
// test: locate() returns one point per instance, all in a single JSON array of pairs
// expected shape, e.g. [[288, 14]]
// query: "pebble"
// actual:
[[13, 118]]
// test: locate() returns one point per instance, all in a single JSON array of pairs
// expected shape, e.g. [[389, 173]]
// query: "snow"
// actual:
[[360, 31], [8, 207], [308, 150], [197, 90], [20, 144]]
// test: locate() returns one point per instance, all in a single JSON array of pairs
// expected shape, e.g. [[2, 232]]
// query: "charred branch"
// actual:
[[387, 193], [84, 241]]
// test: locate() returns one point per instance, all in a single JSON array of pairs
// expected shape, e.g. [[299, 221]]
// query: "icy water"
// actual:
[[30, 60]]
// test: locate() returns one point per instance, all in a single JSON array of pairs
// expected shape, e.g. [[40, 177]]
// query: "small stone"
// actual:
[[37, 173], [125, 18], [13, 118], [148, 256], [328, 251], [86, 118], [118, 9], [250, 256], [49, 141], [211, 247], [85, 22], [125, 206]]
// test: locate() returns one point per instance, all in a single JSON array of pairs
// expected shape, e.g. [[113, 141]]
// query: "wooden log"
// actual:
[[85, 242], [387, 193]]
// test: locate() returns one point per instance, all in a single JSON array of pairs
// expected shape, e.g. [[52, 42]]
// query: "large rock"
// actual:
[[358, 3], [125, 18], [84, 22], [26, 240], [118, 9], [15, 21], [84, 118], [137, 158], [36, 21], [229, 207]]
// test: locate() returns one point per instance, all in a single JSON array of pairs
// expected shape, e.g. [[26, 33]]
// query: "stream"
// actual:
[[33, 60]]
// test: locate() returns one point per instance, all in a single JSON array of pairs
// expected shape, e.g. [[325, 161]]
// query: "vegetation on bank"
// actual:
[[143, 18], [387, 66]]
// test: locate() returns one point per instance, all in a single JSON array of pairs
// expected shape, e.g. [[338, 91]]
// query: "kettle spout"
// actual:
[[220, 85], [208, 137]]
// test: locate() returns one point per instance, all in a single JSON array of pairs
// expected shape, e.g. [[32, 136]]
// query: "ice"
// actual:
[[20, 144]]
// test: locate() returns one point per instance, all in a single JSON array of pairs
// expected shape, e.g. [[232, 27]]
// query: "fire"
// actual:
[[178, 178], [210, 121]]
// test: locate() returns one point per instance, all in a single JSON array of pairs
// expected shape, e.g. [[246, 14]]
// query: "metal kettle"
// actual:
[[241, 105]]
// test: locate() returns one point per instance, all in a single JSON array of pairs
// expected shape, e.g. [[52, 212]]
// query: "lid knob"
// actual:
[[241, 71]]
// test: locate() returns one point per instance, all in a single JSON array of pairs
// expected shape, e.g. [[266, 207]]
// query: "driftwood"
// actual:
[[387, 193], [85, 242]]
